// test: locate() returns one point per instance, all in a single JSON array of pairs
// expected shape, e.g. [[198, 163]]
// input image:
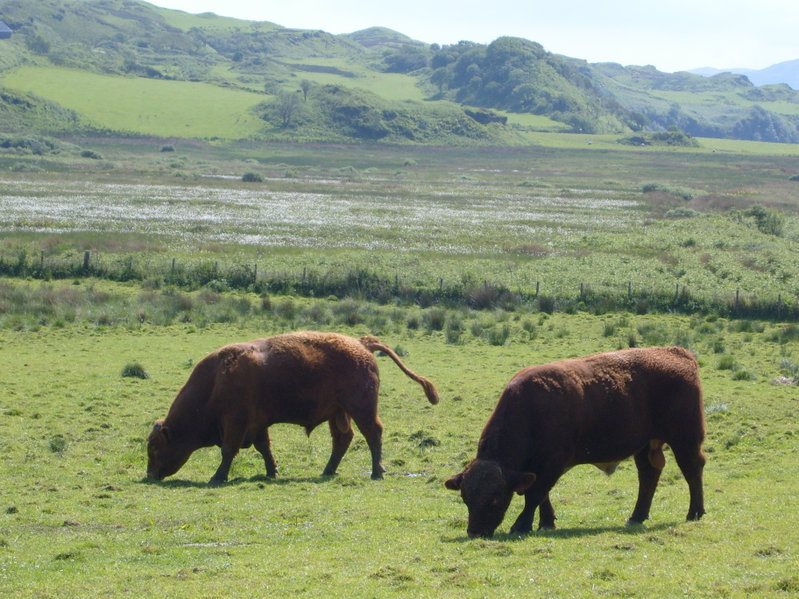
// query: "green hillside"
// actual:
[[146, 106], [128, 66]]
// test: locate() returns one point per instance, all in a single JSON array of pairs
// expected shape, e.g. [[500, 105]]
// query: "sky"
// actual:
[[671, 35]]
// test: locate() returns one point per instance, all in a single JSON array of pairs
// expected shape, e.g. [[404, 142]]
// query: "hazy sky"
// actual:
[[669, 34]]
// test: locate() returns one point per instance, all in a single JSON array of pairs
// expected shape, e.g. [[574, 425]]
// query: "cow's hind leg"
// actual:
[[372, 429], [648, 476], [341, 432], [264, 447], [691, 461], [546, 515]]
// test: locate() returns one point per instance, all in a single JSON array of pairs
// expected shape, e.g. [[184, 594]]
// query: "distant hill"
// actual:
[[265, 81], [783, 72]]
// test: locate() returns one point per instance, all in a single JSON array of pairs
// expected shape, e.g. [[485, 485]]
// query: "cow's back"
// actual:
[[603, 406], [301, 378]]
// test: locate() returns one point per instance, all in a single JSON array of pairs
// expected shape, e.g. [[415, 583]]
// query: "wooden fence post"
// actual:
[[87, 255]]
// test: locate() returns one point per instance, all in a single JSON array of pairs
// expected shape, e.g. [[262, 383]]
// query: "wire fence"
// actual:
[[374, 286]]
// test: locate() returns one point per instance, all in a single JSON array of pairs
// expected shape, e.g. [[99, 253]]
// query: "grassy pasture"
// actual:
[[389, 86], [144, 106], [77, 517], [524, 219]]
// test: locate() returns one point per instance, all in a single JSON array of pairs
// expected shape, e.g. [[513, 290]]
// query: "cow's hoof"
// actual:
[[377, 476], [521, 530], [216, 482], [547, 526], [634, 523]]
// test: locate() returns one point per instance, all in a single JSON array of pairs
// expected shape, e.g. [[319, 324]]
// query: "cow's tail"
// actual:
[[374, 344]]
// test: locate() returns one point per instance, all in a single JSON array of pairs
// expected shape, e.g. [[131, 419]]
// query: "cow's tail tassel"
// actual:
[[374, 344]]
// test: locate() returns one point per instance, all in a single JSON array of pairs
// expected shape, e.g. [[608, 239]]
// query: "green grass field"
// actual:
[[144, 106], [77, 517]]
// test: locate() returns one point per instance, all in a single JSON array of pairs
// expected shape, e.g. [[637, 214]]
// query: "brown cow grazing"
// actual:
[[596, 410], [234, 394]]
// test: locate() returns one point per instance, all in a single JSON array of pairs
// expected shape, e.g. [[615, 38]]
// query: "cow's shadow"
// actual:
[[571, 533], [176, 483]]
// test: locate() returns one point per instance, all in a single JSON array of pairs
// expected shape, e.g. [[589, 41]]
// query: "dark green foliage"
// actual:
[[91, 154], [251, 178], [767, 221], [672, 137], [135, 370]]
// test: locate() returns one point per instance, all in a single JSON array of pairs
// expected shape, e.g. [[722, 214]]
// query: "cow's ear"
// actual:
[[454, 483], [161, 429], [519, 482]]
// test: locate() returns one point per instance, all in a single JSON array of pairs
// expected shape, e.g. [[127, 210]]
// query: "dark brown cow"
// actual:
[[234, 394], [596, 410]]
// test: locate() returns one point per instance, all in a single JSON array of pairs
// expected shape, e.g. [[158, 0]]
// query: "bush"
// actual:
[[453, 329], [434, 319], [743, 375], [135, 370], [727, 363], [348, 311], [90, 154], [252, 178], [546, 304]]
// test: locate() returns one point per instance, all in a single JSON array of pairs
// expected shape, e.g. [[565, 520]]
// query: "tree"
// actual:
[[305, 87], [288, 105]]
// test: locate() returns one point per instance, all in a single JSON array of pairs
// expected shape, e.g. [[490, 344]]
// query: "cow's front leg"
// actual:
[[221, 474], [537, 495], [232, 437], [524, 523]]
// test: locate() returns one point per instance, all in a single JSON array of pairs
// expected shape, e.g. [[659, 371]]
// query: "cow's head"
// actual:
[[165, 455], [486, 489]]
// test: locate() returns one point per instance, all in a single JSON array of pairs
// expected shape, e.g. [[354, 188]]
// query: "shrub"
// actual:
[[498, 335], [546, 304], [90, 154], [252, 178], [453, 329], [743, 375], [135, 370], [434, 319], [348, 311], [168, 148], [726, 363]]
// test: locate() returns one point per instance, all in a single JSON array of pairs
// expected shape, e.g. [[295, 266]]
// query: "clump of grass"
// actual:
[[434, 319], [453, 329], [743, 375], [400, 351], [134, 370], [727, 362], [498, 335], [57, 444], [546, 304], [348, 311]]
